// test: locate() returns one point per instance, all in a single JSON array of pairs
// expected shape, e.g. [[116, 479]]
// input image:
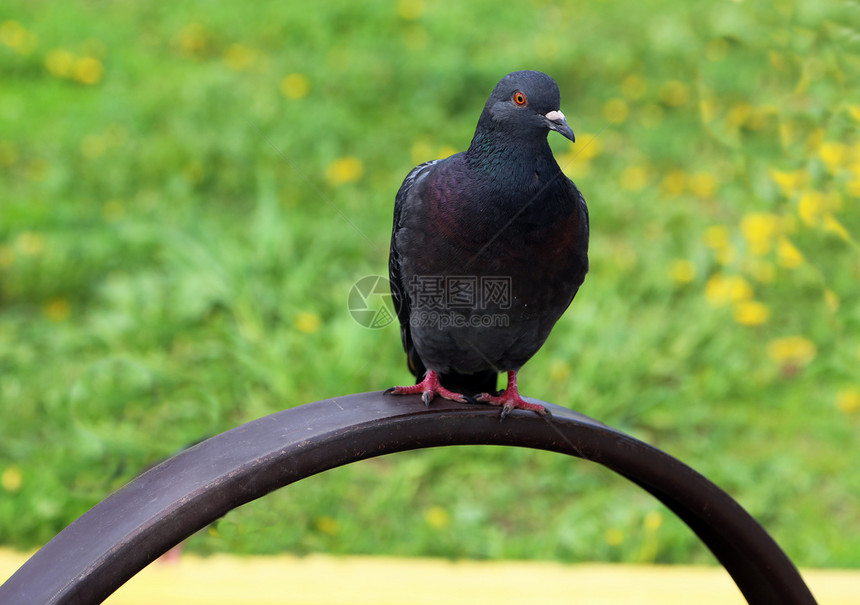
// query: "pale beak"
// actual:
[[555, 121]]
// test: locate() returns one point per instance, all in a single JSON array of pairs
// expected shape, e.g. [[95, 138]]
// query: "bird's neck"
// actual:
[[509, 159]]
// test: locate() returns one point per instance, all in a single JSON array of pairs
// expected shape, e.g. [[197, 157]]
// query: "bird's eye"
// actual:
[[519, 98]]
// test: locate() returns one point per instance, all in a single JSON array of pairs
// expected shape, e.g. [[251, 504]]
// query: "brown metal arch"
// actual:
[[96, 554]]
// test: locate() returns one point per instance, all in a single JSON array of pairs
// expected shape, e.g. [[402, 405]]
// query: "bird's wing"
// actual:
[[406, 196], [582, 209]]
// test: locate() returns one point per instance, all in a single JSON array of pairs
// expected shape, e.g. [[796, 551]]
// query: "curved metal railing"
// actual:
[[117, 538]]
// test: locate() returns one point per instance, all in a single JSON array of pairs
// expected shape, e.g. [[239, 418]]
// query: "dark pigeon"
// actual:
[[488, 249]]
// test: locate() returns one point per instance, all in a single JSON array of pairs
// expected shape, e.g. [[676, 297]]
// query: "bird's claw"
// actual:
[[469, 399], [428, 388], [509, 403]]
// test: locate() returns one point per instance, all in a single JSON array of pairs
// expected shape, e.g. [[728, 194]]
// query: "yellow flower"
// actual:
[[702, 184], [17, 37], [327, 525], [757, 118], [724, 289], [613, 536], [833, 154], [854, 110], [7, 256], [683, 271], [789, 256], [716, 237], [790, 182], [446, 151], [421, 151], [759, 229], [831, 299], [59, 62], [192, 39], [307, 322], [751, 313], [673, 183], [58, 310], [848, 400], [674, 93], [707, 109], [437, 517], [831, 225], [634, 86], [14, 35], [29, 243], [410, 9], [587, 146], [295, 86], [811, 206], [652, 521], [567, 162], [814, 139], [792, 350], [11, 479], [634, 178], [739, 114], [615, 111], [344, 170], [559, 370], [239, 57], [88, 70]]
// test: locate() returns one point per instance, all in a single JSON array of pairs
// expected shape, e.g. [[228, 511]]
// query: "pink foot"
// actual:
[[510, 399], [429, 387]]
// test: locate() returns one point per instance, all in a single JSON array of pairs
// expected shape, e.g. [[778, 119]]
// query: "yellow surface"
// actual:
[[327, 580]]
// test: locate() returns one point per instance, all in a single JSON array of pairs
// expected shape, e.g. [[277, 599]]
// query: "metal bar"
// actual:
[[96, 554]]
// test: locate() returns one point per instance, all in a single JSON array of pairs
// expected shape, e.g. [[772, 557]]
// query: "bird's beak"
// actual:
[[555, 120]]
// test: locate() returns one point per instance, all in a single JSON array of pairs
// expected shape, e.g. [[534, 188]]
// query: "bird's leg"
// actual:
[[510, 399], [429, 387]]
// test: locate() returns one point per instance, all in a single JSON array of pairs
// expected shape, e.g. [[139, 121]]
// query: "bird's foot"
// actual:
[[429, 388], [511, 402], [510, 399]]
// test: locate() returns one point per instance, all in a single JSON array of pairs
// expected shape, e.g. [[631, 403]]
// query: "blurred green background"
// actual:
[[188, 191]]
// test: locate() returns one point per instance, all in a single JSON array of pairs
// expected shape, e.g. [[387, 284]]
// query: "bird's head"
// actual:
[[526, 105]]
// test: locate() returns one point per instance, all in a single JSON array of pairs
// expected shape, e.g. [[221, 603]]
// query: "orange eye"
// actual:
[[519, 98]]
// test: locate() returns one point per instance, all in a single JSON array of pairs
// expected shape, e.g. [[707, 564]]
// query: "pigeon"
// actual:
[[488, 248]]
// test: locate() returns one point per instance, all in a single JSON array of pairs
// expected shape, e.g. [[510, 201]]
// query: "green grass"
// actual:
[[178, 236]]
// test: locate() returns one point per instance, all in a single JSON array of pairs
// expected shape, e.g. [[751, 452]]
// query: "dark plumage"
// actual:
[[488, 249]]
